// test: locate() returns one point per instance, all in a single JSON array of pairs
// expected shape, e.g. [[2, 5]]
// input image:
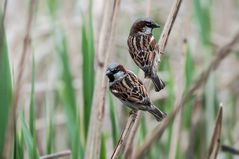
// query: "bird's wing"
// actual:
[[131, 90], [143, 48]]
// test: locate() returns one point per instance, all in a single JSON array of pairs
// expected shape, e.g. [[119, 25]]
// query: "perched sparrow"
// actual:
[[130, 90], [144, 49]]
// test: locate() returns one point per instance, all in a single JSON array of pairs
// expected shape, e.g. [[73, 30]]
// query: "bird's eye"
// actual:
[[148, 24], [114, 71]]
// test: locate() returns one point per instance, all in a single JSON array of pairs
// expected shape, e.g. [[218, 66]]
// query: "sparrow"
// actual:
[[129, 89], [144, 49]]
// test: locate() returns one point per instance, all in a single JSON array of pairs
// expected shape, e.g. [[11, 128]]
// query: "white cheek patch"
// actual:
[[147, 30], [119, 75]]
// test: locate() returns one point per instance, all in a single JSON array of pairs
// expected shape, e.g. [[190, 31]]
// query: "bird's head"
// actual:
[[144, 25], [115, 72]]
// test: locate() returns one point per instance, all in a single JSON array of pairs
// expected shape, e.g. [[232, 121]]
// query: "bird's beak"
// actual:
[[155, 25], [108, 72]]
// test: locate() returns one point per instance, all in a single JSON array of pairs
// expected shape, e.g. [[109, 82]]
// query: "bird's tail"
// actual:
[[158, 114], [158, 83]]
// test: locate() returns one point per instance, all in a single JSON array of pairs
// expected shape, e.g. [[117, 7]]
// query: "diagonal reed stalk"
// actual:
[[56, 155], [102, 56], [202, 78], [132, 120], [215, 142], [18, 84]]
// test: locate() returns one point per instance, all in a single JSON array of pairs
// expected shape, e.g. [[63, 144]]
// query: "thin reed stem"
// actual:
[[18, 85], [57, 155], [102, 56]]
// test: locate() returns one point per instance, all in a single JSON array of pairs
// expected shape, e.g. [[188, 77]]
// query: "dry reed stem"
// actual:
[[18, 84], [162, 44], [65, 153], [125, 134], [102, 56], [215, 142], [202, 78], [148, 9], [168, 26], [130, 144]]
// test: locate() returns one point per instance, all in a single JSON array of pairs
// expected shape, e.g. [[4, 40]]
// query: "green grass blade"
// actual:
[[15, 147], [52, 7], [103, 151], [18, 151], [188, 79], [67, 94], [87, 73], [32, 111], [32, 101], [66, 87], [66, 90], [91, 34], [28, 139], [87, 40], [5, 85], [202, 14], [188, 68], [167, 105], [50, 129]]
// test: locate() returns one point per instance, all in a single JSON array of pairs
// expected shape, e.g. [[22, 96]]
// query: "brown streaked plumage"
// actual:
[[127, 87], [144, 49]]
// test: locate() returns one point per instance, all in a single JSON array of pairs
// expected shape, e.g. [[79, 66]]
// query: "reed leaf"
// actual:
[[67, 94], [52, 7], [202, 14], [18, 149], [87, 40], [32, 101], [50, 129], [28, 139], [188, 68], [87, 71], [103, 152], [189, 71], [32, 111], [5, 85]]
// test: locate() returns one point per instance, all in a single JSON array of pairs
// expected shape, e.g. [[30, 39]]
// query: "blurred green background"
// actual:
[[58, 79]]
